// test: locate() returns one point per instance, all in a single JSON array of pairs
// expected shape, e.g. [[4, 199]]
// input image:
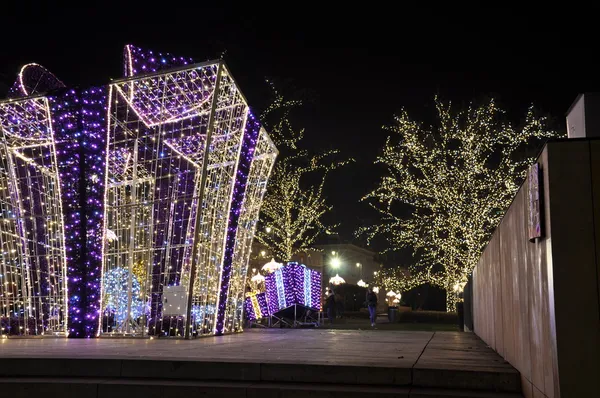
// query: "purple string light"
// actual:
[[261, 299], [245, 160], [79, 124], [139, 61], [34, 79], [294, 278]]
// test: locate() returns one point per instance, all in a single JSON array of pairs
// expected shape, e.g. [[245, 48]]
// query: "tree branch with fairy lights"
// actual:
[[447, 186], [292, 212]]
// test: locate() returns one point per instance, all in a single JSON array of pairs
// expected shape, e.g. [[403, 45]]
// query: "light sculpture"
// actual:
[[293, 284], [117, 285], [156, 178], [256, 306]]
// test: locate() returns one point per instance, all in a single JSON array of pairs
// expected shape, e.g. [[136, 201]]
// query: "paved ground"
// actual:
[[363, 324], [308, 346], [411, 360]]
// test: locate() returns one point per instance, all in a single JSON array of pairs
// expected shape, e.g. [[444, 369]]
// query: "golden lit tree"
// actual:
[[398, 279], [291, 217], [447, 187]]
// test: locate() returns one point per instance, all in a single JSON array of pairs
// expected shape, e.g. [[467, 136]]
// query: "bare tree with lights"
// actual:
[[292, 212], [448, 186]]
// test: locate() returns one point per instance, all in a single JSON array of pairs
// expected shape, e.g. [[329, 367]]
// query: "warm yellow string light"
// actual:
[[457, 178], [292, 208], [256, 306]]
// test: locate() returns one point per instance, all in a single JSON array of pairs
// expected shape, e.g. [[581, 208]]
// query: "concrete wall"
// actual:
[[538, 303]]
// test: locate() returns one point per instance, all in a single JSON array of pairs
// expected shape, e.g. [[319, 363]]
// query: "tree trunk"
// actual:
[[451, 300]]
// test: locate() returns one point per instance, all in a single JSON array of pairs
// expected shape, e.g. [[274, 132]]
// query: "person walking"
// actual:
[[330, 305], [372, 305], [339, 306]]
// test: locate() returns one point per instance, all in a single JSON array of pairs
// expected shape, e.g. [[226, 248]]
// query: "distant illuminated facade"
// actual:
[[119, 201]]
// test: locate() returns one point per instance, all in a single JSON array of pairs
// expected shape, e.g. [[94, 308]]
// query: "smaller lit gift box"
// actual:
[[256, 306], [293, 284]]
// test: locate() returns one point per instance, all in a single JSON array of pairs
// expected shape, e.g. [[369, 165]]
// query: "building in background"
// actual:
[[351, 262]]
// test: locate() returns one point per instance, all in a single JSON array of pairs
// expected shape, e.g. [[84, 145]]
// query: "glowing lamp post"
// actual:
[[271, 266], [392, 305], [336, 280], [335, 262], [391, 295]]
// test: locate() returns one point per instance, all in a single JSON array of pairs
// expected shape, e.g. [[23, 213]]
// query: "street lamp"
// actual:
[[391, 297], [268, 230], [337, 280], [271, 266], [335, 262]]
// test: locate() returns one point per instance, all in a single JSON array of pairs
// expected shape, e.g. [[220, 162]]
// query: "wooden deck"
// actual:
[[376, 362]]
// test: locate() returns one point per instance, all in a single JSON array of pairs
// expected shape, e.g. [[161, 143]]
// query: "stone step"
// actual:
[[400, 360], [16, 387], [425, 376]]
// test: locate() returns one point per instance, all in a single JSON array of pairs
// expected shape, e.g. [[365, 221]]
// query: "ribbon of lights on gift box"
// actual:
[[293, 284]]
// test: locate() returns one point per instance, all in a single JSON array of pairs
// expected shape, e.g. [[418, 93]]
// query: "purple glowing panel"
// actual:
[[315, 290], [245, 160], [60, 197], [139, 61], [262, 304], [79, 120], [255, 306], [171, 97], [272, 293], [151, 201], [293, 284], [123, 180], [32, 260], [249, 309], [34, 79], [171, 195]]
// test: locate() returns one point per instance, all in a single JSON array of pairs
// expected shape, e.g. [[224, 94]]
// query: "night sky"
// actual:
[[360, 65]]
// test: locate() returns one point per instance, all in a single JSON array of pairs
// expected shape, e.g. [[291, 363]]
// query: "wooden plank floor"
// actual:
[[423, 359]]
